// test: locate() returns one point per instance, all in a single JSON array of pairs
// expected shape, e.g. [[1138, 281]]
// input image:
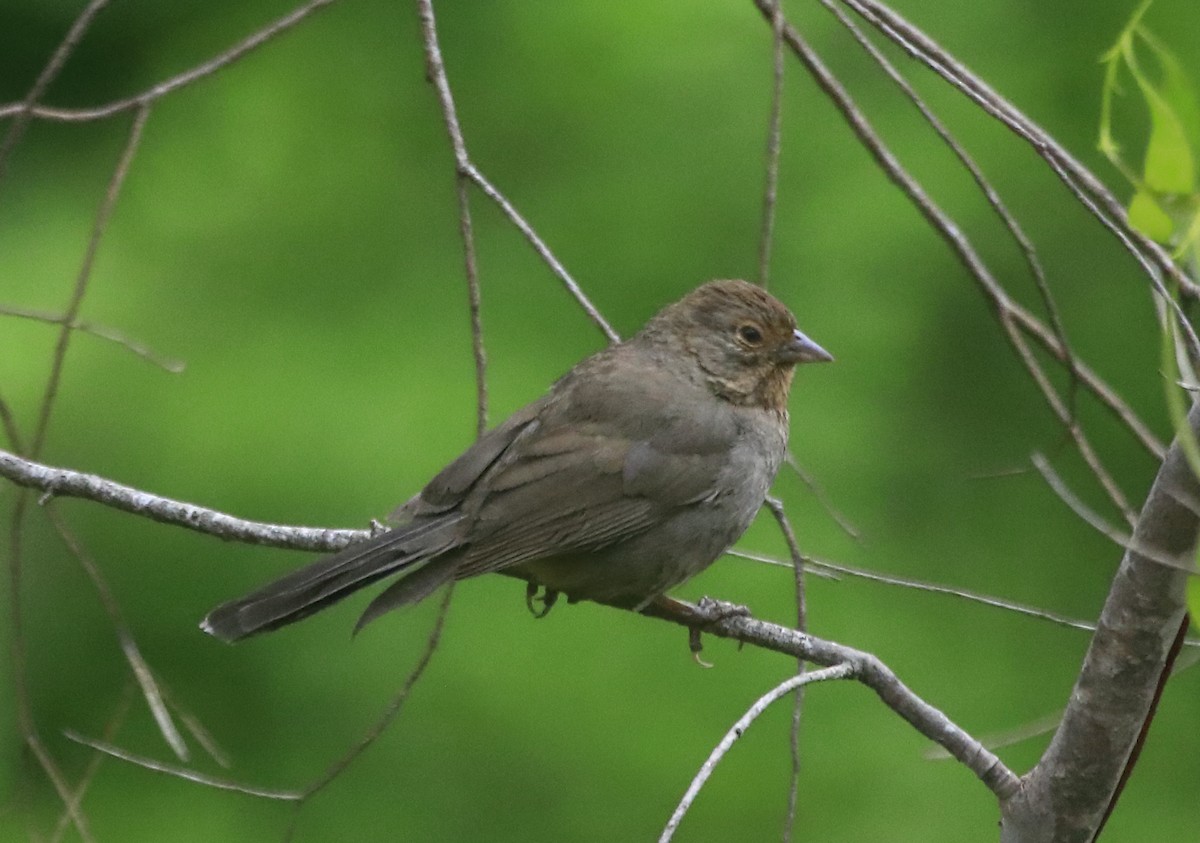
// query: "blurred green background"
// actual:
[[289, 229]]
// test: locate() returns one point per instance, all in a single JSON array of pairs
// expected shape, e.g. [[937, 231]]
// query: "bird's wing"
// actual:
[[583, 487], [454, 482]]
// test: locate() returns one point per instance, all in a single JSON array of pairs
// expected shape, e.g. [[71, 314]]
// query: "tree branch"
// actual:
[[1065, 797], [709, 616]]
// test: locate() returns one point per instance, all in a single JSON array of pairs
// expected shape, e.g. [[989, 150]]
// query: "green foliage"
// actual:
[[1165, 203]]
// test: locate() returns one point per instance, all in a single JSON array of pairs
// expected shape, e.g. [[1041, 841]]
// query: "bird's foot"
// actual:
[[720, 610], [547, 598], [714, 611], [378, 528]]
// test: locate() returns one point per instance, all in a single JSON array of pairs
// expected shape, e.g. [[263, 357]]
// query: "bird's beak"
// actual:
[[803, 350]]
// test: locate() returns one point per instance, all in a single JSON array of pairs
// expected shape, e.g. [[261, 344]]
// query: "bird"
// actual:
[[635, 471]]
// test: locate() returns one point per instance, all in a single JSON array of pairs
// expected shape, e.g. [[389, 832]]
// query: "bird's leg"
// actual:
[[547, 598]]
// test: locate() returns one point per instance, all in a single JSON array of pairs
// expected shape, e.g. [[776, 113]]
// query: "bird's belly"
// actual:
[[644, 566]]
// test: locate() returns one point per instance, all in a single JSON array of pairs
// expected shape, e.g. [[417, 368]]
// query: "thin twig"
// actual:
[[1073, 430], [17, 645], [832, 569], [25, 109], [71, 314], [1107, 396], [1089, 517], [93, 766], [798, 570], [9, 423], [818, 492], [184, 772], [467, 169], [25, 722], [1083, 185], [837, 671], [1010, 223], [542, 250], [475, 306], [161, 89], [771, 188], [436, 71], [393, 707], [934, 215], [103, 332], [141, 671]]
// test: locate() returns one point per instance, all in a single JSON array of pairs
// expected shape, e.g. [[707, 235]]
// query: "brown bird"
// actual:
[[636, 470]]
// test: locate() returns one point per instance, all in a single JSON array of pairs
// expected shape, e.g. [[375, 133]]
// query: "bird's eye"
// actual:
[[750, 335]]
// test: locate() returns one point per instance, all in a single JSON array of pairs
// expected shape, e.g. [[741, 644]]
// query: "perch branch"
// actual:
[[709, 616], [1072, 788]]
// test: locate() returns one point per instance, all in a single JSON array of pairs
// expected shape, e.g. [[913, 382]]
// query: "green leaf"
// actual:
[[1148, 217], [1177, 88], [1168, 167]]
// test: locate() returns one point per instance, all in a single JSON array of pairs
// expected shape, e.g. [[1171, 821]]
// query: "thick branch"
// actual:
[[709, 616], [1065, 797]]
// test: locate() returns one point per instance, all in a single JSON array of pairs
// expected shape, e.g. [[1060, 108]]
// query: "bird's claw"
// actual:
[[696, 645], [377, 527], [714, 611], [548, 597]]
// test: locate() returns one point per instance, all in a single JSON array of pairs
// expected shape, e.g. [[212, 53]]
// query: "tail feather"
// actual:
[[328, 580], [411, 588]]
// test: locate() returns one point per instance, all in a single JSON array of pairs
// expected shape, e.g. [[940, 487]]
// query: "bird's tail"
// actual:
[[416, 549]]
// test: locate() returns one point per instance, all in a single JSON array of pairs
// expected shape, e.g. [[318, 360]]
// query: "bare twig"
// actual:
[[9, 423], [393, 708], [795, 683], [23, 110], [1123, 540], [818, 491], [71, 314], [542, 250], [771, 188], [184, 772], [436, 71], [141, 671], [993, 291], [468, 170], [93, 766], [1083, 185], [1063, 412], [1032, 262], [17, 646], [160, 90], [798, 571], [716, 619], [824, 567], [100, 331], [67, 483]]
